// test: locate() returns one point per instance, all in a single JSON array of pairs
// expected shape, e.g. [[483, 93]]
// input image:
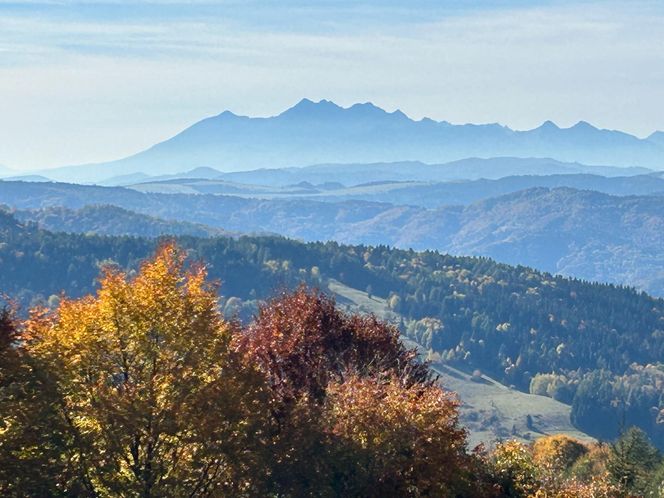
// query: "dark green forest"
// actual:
[[595, 346]]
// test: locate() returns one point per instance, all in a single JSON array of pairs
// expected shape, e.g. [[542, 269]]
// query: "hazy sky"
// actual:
[[85, 81]]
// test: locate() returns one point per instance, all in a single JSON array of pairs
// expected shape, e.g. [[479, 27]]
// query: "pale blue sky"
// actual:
[[85, 81]]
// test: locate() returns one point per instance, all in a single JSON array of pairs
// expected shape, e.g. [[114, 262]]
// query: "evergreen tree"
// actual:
[[631, 461]]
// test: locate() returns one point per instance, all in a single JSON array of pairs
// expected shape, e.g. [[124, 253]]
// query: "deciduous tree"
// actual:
[[154, 400]]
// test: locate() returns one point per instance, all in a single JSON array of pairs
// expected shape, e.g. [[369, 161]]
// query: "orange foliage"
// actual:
[[543, 470], [144, 389], [558, 452], [401, 439], [154, 399]]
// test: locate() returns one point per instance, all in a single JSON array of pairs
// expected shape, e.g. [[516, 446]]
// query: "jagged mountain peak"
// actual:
[[227, 114], [326, 109], [318, 132], [309, 108]]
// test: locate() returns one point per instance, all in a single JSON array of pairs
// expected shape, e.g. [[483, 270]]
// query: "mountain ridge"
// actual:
[[354, 174], [581, 233], [324, 132]]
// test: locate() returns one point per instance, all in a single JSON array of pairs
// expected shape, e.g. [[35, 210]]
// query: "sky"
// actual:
[[87, 81]]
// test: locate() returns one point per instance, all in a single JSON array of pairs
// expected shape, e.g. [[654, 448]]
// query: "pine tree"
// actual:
[[631, 460]]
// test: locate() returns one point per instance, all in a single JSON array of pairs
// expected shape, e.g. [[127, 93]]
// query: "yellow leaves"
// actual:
[[513, 463], [547, 469], [136, 363], [558, 452]]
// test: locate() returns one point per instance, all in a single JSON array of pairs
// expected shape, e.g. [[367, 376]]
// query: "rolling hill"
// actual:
[[113, 220], [584, 234], [413, 193]]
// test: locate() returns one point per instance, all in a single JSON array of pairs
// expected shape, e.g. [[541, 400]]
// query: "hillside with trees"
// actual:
[[578, 233], [145, 388], [582, 343], [112, 220]]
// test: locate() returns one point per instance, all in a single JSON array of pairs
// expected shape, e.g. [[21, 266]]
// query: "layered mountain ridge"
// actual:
[[580, 233]]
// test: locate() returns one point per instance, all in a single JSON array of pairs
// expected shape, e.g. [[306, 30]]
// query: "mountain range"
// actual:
[[323, 132], [413, 193], [355, 174]]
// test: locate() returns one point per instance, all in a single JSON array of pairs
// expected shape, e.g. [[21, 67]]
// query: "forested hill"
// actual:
[[595, 343], [578, 233], [113, 220]]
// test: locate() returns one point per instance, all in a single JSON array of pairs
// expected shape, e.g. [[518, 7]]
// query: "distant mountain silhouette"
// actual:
[[26, 178], [354, 174], [464, 169], [323, 132]]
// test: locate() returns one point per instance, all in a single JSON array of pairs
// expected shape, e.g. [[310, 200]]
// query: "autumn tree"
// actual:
[[514, 469], [33, 439], [548, 469], [396, 440], [358, 414], [301, 341], [557, 452], [153, 400]]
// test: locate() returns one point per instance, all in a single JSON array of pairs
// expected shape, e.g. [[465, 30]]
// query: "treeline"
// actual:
[[602, 342], [146, 389], [111, 220]]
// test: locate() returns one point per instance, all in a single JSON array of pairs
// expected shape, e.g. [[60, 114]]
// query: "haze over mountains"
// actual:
[[416, 193], [6, 171], [368, 176], [358, 173], [379, 182], [323, 132], [319, 171]]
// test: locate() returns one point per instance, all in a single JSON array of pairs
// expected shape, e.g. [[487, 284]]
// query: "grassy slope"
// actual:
[[490, 410]]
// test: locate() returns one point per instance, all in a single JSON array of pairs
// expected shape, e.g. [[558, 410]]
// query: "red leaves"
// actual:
[[302, 343], [357, 414]]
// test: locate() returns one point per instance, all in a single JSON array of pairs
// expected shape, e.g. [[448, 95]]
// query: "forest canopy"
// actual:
[[597, 347], [146, 389]]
